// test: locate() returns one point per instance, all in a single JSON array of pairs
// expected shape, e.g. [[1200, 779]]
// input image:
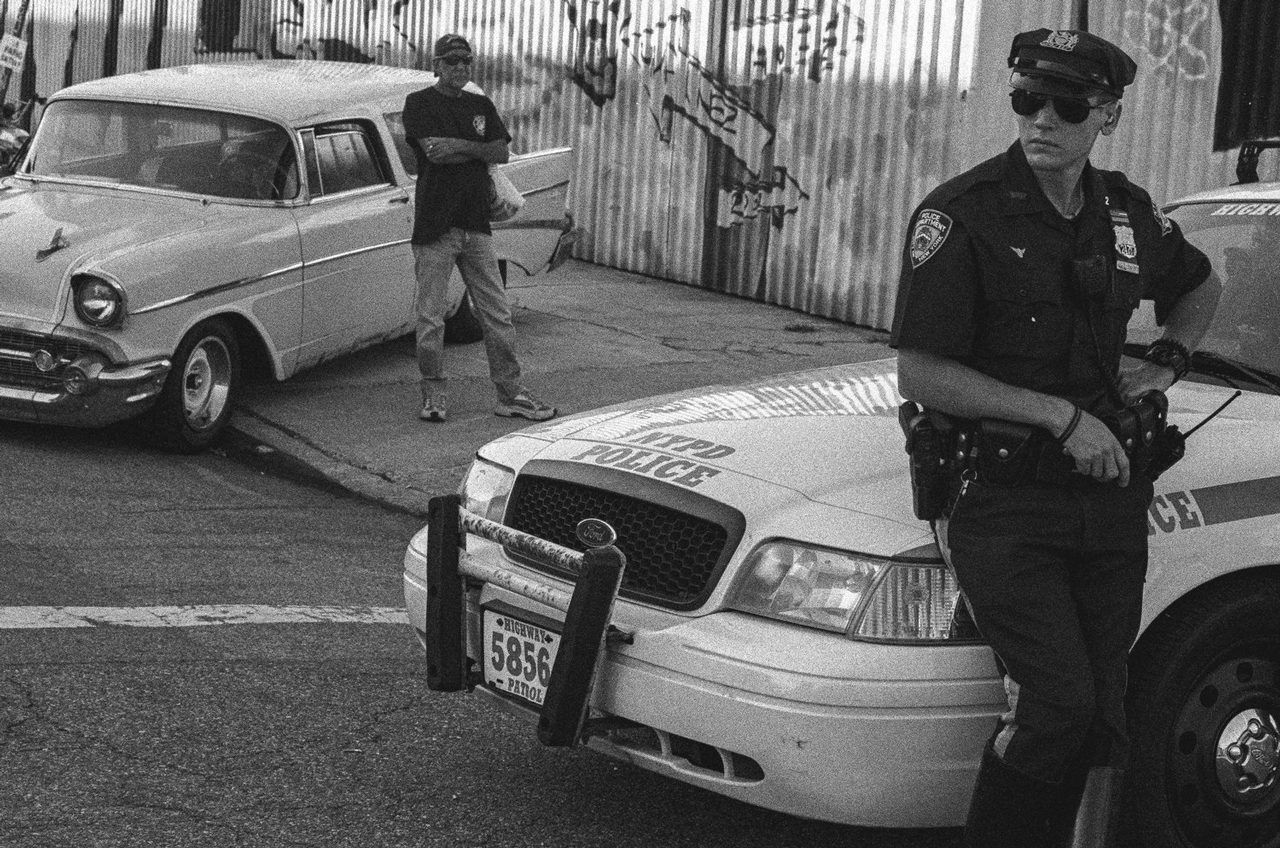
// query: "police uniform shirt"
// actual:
[[992, 277], [454, 195]]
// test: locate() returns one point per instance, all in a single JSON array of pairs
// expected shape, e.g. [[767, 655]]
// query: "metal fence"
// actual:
[[772, 149]]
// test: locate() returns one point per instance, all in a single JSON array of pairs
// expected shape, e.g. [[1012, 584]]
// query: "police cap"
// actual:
[[1069, 63]]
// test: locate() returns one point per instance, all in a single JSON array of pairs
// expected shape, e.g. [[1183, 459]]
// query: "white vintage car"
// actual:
[[169, 231], [786, 633]]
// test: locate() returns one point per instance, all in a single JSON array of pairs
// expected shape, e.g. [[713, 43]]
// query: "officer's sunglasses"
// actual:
[[456, 60], [1073, 110]]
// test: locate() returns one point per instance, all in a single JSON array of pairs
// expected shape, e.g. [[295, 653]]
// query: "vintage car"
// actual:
[[786, 632], [170, 232]]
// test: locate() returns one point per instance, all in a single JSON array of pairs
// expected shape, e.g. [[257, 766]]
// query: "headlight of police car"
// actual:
[[867, 597], [98, 302], [485, 489]]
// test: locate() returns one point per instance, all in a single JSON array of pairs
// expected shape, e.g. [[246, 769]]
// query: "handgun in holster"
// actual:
[[1152, 444], [928, 445]]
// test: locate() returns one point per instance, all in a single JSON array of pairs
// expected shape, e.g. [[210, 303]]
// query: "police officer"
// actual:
[[1018, 280]]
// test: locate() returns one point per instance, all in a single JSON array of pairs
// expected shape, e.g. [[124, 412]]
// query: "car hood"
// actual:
[[47, 231], [831, 435]]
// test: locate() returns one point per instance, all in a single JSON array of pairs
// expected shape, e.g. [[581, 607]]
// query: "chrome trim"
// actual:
[[18, 355], [545, 189], [218, 289]]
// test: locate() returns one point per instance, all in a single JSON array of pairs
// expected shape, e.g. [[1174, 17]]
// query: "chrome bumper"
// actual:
[[108, 395]]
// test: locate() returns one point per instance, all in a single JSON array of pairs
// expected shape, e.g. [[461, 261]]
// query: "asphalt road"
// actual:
[[272, 734]]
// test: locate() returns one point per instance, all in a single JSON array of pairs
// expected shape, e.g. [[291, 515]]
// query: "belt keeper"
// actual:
[[1071, 426]]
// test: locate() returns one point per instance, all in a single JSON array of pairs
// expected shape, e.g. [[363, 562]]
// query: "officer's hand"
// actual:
[[1135, 382], [1096, 452]]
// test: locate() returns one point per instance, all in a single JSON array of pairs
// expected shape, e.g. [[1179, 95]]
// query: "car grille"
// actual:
[[17, 369], [673, 557]]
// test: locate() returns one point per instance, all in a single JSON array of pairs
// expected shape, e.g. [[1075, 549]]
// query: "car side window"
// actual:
[[395, 122], [343, 157]]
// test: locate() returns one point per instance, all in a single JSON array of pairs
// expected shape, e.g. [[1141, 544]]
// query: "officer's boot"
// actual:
[[1009, 809], [1098, 817]]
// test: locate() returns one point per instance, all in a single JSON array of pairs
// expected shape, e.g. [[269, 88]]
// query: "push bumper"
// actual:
[[697, 699]]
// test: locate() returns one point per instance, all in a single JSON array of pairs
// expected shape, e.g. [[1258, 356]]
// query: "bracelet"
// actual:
[[1169, 353], [1071, 426]]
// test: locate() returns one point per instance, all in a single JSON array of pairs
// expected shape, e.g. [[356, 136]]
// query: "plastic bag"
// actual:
[[505, 199]]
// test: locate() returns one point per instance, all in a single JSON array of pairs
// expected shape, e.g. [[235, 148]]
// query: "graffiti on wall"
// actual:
[[679, 85], [1174, 33]]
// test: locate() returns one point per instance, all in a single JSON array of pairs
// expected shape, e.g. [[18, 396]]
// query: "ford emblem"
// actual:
[[595, 533]]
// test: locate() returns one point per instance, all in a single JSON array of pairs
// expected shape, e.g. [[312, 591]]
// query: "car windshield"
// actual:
[[165, 147], [1242, 240]]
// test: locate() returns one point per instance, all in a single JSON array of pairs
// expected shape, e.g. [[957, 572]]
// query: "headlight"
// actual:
[[485, 489], [98, 302], [866, 597]]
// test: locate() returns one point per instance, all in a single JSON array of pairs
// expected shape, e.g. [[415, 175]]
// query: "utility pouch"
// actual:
[[928, 437], [1008, 452]]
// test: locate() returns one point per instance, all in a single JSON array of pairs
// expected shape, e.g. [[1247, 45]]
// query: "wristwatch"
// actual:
[[1170, 354]]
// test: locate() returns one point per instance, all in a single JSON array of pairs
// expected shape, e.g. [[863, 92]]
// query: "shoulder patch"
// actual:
[[931, 230]]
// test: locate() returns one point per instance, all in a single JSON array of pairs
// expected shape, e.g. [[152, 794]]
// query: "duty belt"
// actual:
[[1005, 453]]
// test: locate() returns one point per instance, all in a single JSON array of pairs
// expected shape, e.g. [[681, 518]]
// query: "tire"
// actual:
[[1204, 702], [462, 327], [198, 397]]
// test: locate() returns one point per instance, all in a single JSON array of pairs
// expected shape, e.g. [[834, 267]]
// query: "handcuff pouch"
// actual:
[[1007, 452]]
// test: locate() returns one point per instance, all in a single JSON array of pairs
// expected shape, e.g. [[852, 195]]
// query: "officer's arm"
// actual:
[[942, 383], [1188, 320]]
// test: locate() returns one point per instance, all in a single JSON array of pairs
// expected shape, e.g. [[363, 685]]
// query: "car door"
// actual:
[[357, 265]]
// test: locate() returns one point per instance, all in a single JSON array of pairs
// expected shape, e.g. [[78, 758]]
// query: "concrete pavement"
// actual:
[[588, 336]]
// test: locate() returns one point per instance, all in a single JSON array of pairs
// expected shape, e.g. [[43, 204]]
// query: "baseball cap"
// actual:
[[451, 43], [1069, 63]]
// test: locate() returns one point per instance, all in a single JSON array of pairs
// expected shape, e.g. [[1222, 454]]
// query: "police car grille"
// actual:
[[16, 366], [673, 558]]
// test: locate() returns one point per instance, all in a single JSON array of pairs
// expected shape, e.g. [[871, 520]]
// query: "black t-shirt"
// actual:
[[450, 196], [989, 277]]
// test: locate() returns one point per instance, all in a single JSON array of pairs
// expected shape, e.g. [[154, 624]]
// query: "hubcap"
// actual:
[[1225, 775], [1247, 755], [206, 383]]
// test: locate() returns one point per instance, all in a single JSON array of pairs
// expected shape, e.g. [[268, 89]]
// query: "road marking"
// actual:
[[38, 618]]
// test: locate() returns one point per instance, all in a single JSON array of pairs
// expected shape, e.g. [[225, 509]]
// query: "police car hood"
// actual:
[[831, 435]]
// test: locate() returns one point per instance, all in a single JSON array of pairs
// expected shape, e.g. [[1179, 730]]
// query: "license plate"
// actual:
[[518, 657]]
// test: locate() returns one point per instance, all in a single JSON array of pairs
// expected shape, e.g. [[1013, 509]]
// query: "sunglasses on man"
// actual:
[[451, 61], [1073, 110]]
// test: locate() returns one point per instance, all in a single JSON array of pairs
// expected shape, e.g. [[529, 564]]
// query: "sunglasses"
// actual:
[[1073, 110], [451, 61]]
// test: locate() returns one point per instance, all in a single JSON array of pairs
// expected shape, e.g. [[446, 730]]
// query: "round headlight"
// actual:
[[97, 302]]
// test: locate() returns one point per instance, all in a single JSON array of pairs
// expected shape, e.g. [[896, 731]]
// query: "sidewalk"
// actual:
[[588, 336]]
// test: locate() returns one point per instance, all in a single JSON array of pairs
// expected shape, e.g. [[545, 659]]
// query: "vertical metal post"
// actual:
[[565, 707], [446, 613]]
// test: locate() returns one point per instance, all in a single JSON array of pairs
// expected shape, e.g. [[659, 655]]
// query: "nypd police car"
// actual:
[[780, 628]]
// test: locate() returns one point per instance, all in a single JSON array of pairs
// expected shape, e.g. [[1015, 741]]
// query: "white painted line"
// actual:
[[34, 618]]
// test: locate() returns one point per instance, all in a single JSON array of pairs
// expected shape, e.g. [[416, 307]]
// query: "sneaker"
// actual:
[[433, 408], [525, 405]]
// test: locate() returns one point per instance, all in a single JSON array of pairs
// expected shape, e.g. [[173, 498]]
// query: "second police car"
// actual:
[[786, 633]]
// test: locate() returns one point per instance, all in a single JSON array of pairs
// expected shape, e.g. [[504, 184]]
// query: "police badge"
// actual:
[[1060, 40], [930, 232], [1126, 245], [478, 123]]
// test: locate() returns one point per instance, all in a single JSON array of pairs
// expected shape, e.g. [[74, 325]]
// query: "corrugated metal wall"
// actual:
[[769, 148]]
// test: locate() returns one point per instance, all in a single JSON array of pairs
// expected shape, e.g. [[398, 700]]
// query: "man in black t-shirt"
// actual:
[[456, 135]]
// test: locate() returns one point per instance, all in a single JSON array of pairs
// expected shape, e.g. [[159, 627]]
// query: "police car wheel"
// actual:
[[1204, 716]]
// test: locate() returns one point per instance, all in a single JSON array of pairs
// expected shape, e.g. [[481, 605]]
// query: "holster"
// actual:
[[1151, 443], [929, 436]]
